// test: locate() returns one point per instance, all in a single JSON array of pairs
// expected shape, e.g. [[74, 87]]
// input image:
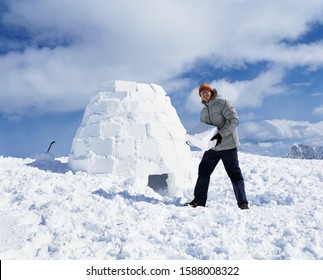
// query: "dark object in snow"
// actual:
[[50, 145], [46, 156]]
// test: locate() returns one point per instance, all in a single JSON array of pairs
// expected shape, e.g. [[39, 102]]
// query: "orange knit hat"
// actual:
[[203, 87]]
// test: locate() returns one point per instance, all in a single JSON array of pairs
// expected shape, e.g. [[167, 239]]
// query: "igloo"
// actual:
[[131, 129]]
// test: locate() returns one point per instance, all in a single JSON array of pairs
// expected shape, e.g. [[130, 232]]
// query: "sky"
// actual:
[[266, 57]]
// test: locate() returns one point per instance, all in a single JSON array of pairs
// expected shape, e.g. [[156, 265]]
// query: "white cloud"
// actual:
[[317, 94], [247, 117], [148, 41], [243, 94], [251, 93], [277, 130], [318, 110], [42, 81]]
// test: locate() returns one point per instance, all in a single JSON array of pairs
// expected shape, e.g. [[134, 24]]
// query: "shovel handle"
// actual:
[[50, 145]]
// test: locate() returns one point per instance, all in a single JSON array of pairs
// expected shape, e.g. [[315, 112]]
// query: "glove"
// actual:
[[216, 136]]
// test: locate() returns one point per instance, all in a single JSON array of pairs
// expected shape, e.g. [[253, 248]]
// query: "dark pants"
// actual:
[[230, 161]]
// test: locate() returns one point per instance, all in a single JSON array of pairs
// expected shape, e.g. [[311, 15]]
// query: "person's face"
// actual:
[[206, 95]]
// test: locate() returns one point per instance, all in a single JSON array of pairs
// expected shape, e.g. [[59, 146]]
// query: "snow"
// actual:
[[132, 129], [45, 157], [199, 136], [49, 212]]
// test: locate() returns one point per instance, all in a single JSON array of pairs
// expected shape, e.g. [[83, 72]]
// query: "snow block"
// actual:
[[125, 86], [199, 136], [131, 129]]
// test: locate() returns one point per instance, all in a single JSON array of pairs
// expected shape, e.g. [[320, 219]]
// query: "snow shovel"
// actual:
[[46, 156]]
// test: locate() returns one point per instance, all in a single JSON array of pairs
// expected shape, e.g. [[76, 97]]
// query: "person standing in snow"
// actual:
[[220, 113]]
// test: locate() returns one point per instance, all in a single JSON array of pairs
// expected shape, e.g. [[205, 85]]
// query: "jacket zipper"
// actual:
[[208, 113]]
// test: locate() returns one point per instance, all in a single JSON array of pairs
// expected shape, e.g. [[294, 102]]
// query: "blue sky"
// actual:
[[266, 57]]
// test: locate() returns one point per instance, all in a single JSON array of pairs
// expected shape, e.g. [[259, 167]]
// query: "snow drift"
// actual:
[[132, 129], [49, 212]]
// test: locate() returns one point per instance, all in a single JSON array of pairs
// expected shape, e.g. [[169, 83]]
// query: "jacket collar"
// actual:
[[212, 101]]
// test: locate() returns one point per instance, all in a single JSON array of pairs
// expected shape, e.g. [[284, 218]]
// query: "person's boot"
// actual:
[[243, 206], [196, 202]]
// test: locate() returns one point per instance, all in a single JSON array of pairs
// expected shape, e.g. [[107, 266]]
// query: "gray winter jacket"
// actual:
[[220, 113]]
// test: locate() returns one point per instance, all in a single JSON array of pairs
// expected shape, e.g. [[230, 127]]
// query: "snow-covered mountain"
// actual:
[[49, 212], [301, 151]]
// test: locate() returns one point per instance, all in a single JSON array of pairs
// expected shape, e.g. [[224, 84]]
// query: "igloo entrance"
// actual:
[[158, 182]]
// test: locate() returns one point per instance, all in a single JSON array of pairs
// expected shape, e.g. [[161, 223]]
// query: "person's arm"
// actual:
[[231, 116]]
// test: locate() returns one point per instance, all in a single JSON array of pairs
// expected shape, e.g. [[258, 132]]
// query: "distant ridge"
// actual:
[[305, 152]]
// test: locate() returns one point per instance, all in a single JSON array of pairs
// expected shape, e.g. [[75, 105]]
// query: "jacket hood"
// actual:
[[213, 96]]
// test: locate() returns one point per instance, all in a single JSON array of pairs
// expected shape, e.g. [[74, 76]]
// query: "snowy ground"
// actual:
[[47, 212]]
